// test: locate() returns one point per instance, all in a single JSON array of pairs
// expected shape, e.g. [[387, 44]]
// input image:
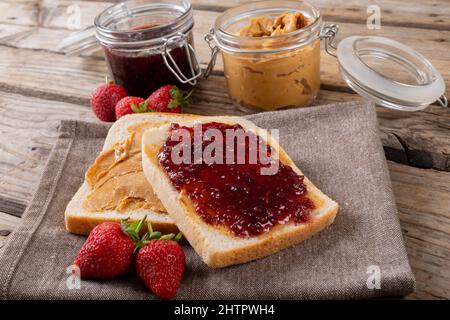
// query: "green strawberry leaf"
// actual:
[[132, 229], [168, 236], [134, 108], [178, 237], [155, 235], [179, 98], [172, 104], [141, 108], [140, 224], [174, 91], [188, 94], [133, 235]]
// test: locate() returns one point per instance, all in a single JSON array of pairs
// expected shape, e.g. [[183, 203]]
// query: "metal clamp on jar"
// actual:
[[146, 44], [269, 73], [282, 71]]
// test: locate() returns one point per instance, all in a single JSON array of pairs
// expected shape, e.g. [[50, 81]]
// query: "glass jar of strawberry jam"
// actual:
[[148, 44]]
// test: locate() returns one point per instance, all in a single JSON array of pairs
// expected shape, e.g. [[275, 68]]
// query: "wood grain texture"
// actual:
[[431, 14], [35, 94], [7, 223], [429, 42], [423, 201], [28, 126], [393, 12], [419, 139]]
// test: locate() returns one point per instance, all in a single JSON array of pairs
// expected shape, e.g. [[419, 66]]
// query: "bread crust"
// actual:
[[83, 225], [216, 248]]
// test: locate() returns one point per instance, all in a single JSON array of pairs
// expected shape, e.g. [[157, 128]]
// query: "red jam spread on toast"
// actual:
[[237, 196]]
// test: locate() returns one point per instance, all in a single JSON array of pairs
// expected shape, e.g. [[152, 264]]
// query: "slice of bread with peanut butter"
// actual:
[[115, 186], [232, 212]]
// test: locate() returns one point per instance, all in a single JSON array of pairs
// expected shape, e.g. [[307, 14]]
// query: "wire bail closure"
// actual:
[[209, 38], [328, 33], [443, 101], [173, 66]]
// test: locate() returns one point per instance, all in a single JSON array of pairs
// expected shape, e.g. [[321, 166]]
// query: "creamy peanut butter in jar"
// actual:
[[271, 53]]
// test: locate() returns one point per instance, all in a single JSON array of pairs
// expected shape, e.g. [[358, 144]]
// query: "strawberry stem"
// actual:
[[108, 81], [149, 228], [155, 235], [169, 236], [179, 98], [133, 229], [178, 237], [141, 108]]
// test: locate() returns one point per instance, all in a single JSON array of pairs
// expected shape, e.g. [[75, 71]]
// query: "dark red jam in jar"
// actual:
[[148, 44], [141, 75], [236, 196]]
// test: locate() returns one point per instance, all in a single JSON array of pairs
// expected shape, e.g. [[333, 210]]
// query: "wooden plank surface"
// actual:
[[39, 86], [430, 14], [423, 144], [423, 201]]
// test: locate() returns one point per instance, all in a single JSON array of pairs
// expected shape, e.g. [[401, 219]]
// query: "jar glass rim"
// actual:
[[227, 40], [126, 9]]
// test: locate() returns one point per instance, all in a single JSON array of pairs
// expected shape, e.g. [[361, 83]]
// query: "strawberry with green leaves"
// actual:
[[160, 263], [108, 252], [129, 105], [169, 98], [111, 249]]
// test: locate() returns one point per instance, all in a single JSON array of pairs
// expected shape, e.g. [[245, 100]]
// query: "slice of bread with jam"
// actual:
[[229, 211]]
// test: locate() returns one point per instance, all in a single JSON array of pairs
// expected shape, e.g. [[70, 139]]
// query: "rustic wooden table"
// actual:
[[40, 86]]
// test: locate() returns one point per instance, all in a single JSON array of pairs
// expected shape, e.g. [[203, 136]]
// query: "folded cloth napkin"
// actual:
[[361, 255]]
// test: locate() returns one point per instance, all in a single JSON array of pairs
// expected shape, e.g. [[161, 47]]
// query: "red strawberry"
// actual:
[[169, 99], [104, 100], [108, 251], [129, 105], [160, 264]]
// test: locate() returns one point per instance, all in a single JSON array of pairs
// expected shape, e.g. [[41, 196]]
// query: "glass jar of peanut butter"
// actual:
[[271, 53]]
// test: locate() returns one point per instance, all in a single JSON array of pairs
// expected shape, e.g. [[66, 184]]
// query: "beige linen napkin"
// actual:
[[336, 146]]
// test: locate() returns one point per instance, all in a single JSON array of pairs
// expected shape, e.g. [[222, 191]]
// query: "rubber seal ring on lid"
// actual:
[[428, 86]]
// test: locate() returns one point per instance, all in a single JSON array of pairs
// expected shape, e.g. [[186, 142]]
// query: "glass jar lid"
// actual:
[[389, 73], [229, 22], [133, 23], [142, 27], [137, 23]]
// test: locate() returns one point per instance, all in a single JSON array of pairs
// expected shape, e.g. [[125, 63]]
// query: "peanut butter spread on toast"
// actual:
[[116, 178]]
